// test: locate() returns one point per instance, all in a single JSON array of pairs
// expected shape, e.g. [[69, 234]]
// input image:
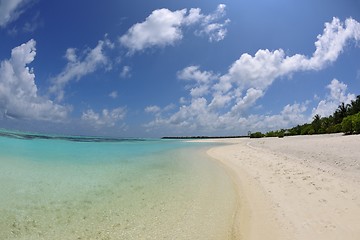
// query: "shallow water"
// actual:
[[59, 189]]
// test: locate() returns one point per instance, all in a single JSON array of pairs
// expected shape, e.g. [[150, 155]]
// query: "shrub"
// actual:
[[270, 134], [334, 129], [347, 125], [356, 123], [306, 129], [256, 135]]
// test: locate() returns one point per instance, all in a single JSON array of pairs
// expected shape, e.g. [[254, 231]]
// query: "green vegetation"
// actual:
[[351, 124], [256, 135], [345, 119]]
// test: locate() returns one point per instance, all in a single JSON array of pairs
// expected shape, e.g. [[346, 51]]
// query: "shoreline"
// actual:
[[303, 187], [253, 219]]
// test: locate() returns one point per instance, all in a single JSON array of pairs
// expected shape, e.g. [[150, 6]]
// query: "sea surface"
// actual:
[[59, 187]]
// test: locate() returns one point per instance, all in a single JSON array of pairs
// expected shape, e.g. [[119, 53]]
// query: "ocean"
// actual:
[[58, 187]]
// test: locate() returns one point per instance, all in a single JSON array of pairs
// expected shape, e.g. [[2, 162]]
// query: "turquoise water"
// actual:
[[114, 189]]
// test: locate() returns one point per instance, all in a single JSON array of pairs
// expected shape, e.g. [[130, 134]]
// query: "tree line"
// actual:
[[346, 119]]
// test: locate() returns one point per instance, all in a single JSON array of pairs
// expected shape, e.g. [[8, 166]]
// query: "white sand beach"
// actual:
[[302, 187]]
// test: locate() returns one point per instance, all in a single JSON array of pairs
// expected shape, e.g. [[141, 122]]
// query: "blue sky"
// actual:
[[155, 68]]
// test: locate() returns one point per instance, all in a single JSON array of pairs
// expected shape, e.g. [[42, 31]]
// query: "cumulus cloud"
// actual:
[[198, 81], [192, 73], [198, 118], [158, 111], [10, 10], [80, 66], [224, 101], [19, 96], [337, 95], [193, 117], [161, 28], [259, 71], [216, 31], [107, 118], [333, 40], [244, 103], [164, 27], [291, 115]]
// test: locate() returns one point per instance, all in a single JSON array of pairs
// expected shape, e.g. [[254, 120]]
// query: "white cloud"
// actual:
[[198, 118], [80, 66], [192, 73], [210, 26], [202, 80], [225, 101], [70, 55], [107, 118], [113, 94], [219, 13], [259, 71], [338, 92], [333, 40], [163, 27], [337, 96], [244, 103], [216, 31], [195, 116], [10, 10], [18, 91], [291, 115], [152, 109], [183, 101], [126, 72], [158, 111], [255, 72], [193, 17], [220, 101], [199, 91]]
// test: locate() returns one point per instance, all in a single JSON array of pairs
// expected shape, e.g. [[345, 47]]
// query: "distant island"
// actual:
[[204, 137]]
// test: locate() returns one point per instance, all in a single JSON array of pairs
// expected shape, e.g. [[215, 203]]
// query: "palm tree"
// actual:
[[355, 106], [340, 113], [316, 123]]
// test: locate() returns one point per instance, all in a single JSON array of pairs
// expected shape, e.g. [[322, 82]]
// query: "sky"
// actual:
[[175, 68]]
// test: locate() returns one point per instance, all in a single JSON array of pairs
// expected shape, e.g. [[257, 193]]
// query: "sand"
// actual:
[[303, 187]]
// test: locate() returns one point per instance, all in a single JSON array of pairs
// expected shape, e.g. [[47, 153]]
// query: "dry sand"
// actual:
[[304, 187]]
